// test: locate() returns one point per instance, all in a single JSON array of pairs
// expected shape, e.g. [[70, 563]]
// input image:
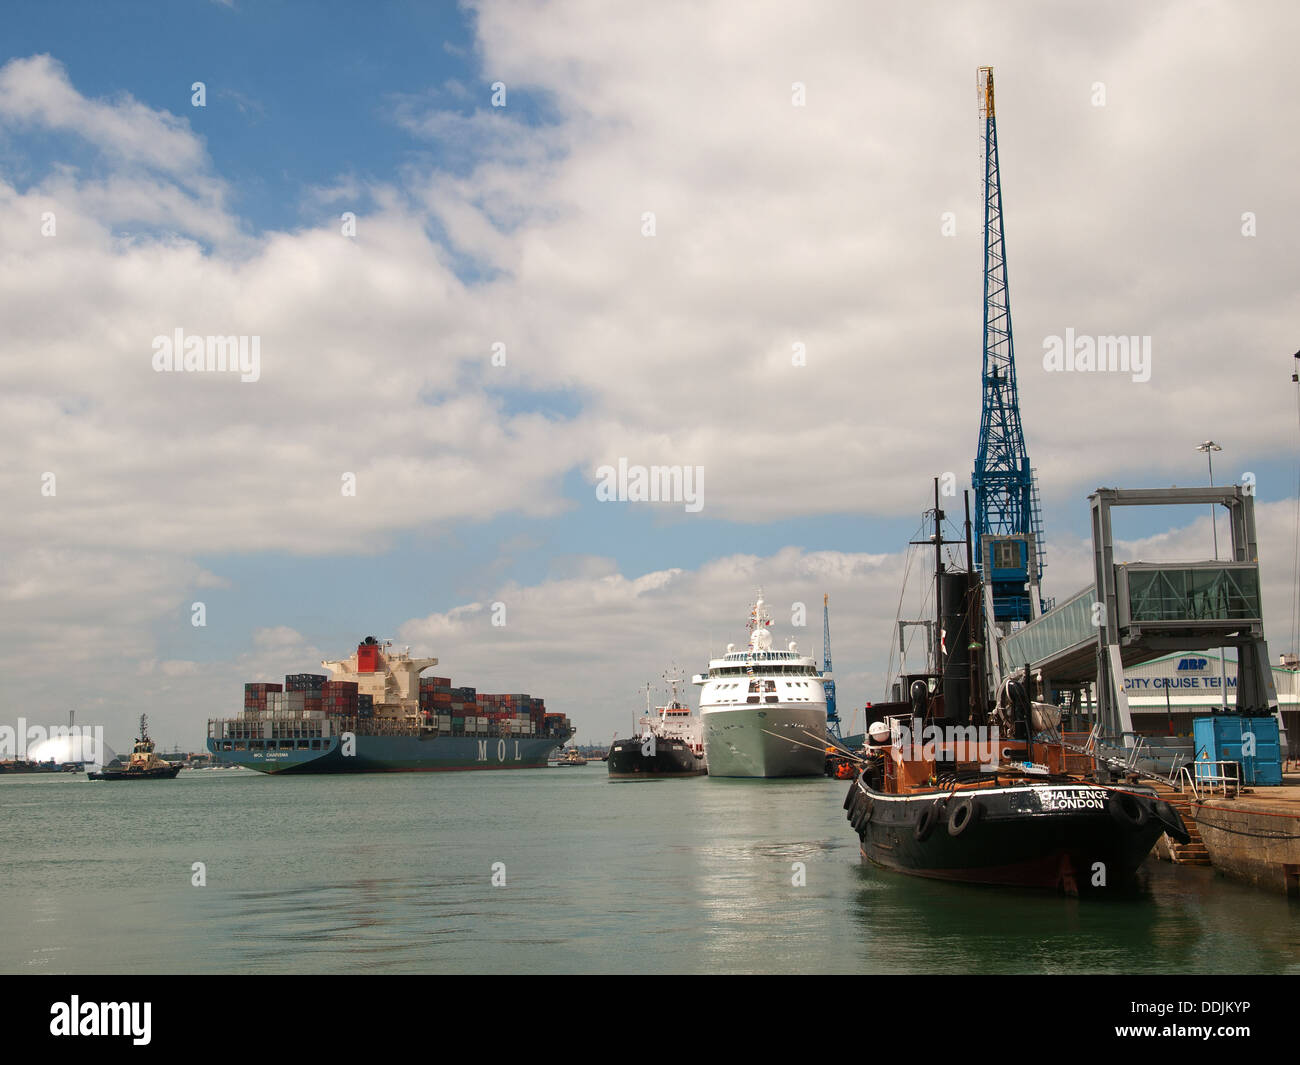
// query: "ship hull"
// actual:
[[768, 741], [41, 767], [628, 760], [397, 754], [160, 773], [1072, 837]]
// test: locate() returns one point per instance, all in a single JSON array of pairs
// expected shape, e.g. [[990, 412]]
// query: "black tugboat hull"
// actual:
[[1074, 837], [140, 774], [671, 758]]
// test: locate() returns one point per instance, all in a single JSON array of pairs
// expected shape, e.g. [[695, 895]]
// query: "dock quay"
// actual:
[[1250, 834], [1254, 835]]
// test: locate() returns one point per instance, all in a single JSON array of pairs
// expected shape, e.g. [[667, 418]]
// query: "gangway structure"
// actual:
[[1138, 611]]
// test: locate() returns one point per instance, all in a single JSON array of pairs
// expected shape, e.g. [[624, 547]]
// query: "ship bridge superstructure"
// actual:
[[762, 673], [388, 675]]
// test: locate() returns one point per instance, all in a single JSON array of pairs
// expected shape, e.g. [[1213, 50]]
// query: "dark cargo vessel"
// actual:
[[669, 742], [653, 756]]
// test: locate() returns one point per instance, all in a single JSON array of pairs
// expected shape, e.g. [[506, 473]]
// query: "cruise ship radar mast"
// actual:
[[759, 622]]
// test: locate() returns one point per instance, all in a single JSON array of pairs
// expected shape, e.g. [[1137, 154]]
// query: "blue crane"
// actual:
[[1008, 520], [832, 717]]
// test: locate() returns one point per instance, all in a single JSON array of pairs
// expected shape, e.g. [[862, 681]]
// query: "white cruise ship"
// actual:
[[763, 711]]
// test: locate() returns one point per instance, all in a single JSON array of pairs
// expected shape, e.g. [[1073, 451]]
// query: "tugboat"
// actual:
[[952, 788], [669, 742], [144, 764]]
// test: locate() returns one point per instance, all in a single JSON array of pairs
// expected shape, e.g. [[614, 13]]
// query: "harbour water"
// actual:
[[394, 873]]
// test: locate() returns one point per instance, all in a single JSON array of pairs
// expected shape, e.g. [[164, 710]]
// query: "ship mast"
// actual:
[[759, 621], [674, 677], [967, 612], [647, 709]]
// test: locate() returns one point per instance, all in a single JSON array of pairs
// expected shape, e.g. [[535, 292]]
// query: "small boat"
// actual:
[[568, 758], [668, 743], [144, 764]]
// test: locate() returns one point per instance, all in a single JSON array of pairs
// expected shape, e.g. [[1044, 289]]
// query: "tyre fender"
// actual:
[[964, 813], [1128, 809], [925, 822], [862, 815]]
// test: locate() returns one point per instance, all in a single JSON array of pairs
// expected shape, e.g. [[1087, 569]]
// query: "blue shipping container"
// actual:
[[1220, 739]]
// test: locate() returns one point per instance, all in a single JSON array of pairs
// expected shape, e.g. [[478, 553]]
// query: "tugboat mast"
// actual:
[[971, 629]]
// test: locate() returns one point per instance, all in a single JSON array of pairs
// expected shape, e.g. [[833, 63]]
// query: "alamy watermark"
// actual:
[[114, 1019], [16, 741], [1089, 354], [966, 743], [179, 353], [651, 484]]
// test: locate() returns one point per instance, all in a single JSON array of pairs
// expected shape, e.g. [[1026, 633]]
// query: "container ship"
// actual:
[[374, 713]]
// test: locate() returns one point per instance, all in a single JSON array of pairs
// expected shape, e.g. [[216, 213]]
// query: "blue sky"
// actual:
[[298, 95], [523, 224]]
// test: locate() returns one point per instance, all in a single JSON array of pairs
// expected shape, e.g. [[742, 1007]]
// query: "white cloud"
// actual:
[[37, 91], [776, 225]]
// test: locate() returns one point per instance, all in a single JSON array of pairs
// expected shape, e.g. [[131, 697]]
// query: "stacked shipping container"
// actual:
[[469, 710], [452, 710], [303, 691], [339, 698], [255, 695]]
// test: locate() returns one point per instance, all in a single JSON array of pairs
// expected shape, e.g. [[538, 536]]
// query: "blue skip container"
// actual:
[[1222, 737]]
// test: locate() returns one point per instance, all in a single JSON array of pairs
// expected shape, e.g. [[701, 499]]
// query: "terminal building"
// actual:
[[1165, 694]]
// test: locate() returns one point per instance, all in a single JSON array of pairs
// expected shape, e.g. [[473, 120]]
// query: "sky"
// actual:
[[486, 250]]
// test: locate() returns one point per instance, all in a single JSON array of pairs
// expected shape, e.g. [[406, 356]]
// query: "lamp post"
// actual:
[[1209, 447]]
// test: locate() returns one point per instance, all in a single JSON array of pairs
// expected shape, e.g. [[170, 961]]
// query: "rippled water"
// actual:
[[393, 873]]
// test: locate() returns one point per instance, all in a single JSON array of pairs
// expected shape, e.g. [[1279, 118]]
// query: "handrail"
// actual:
[[1214, 781]]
